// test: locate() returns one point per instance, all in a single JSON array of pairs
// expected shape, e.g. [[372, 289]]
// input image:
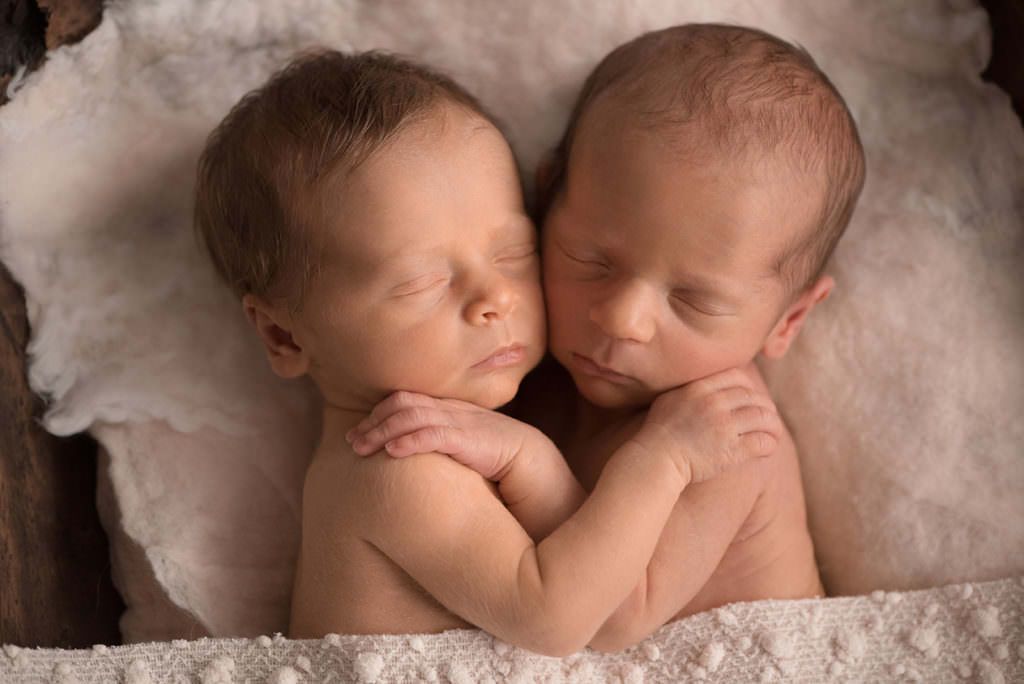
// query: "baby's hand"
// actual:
[[712, 424], [408, 423]]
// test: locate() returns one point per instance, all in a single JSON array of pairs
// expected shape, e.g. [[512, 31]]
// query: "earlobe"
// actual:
[[785, 331], [274, 328]]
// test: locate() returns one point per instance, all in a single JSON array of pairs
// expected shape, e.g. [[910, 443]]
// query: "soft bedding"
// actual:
[[904, 392], [967, 632]]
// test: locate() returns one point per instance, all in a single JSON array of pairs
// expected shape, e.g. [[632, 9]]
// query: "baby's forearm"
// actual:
[[575, 578], [539, 489]]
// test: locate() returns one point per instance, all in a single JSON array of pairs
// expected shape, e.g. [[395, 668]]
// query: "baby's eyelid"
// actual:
[[581, 260], [701, 307], [419, 284]]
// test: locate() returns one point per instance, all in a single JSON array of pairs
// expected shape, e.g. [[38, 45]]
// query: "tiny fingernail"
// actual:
[[348, 435], [390, 445]]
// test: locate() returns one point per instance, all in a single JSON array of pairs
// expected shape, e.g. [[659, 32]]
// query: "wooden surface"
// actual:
[[55, 588], [54, 564], [1006, 67], [28, 28]]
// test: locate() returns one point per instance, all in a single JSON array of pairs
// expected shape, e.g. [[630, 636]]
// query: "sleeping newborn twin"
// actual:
[[368, 213]]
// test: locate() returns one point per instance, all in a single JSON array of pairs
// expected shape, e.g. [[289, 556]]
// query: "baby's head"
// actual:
[[369, 215], [702, 183]]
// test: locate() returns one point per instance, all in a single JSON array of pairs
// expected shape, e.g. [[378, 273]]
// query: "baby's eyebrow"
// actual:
[[707, 286], [404, 259]]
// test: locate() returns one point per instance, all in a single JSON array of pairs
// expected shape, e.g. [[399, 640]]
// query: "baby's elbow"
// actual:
[[559, 648], [553, 632], [623, 629], [557, 639], [627, 627]]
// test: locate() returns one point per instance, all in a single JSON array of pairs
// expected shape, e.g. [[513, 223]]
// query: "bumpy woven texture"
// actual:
[[972, 632], [903, 392]]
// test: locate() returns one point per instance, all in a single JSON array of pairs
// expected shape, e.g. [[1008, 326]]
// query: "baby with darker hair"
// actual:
[[705, 176], [369, 215]]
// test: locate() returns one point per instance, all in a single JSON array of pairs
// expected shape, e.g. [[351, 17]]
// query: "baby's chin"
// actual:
[[606, 395], [498, 397], [490, 395]]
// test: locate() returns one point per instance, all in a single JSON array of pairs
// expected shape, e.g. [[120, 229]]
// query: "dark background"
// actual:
[[55, 587]]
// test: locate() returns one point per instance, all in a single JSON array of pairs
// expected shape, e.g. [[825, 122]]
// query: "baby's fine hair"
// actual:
[[716, 91], [271, 168]]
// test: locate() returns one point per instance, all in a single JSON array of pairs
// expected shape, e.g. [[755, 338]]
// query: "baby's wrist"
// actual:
[[664, 453]]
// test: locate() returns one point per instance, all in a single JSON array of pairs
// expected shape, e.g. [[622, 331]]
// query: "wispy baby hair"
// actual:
[[265, 175], [717, 91]]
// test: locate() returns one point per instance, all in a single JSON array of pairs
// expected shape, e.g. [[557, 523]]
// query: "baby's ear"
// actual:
[[274, 326], [786, 330]]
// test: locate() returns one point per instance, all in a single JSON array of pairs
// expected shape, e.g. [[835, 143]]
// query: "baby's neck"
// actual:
[[591, 420], [338, 420]]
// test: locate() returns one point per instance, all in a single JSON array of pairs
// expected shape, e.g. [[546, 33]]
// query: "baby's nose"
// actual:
[[626, 314], [494, 301]]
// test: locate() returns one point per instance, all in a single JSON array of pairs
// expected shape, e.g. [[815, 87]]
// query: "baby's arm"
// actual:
[[715, 510], [553, 597], [535, 482], [705, 522], [442, 525], [704, 420]]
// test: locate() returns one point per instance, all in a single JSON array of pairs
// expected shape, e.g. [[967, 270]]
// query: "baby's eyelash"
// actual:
[[578, 260], [422, 283], [702, 308]]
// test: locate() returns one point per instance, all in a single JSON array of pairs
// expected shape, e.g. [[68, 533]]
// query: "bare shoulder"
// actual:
[[751, 494], [781, 499], [379, 492], [785, 456]]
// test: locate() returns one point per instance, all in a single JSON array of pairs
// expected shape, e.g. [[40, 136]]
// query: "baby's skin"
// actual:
[[659, 276], [438, 292], [736, 537]]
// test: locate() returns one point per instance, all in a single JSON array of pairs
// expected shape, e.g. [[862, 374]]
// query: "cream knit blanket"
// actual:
[[967, 632]]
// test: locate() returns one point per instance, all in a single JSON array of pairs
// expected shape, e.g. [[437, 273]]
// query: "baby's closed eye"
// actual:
[[516, 253], [427, 282], [698, 303], [592, 263]]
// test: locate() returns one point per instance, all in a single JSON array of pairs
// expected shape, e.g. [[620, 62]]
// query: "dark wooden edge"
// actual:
[[55, 579], [1006, 66]]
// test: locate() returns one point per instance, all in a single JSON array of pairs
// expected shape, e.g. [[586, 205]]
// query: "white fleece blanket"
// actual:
[[972, 632], [904, 392]]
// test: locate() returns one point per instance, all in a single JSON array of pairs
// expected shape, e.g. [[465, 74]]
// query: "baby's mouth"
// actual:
[[509, 355], [588, 366]]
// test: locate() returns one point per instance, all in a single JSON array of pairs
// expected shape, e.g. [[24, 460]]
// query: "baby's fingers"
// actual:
[[757, 445], [757, 418], [435, 438], [394, 426], [390, 405]]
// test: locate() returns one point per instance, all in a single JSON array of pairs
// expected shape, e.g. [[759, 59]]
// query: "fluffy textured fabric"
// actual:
[[904, 392], [972, 632]]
